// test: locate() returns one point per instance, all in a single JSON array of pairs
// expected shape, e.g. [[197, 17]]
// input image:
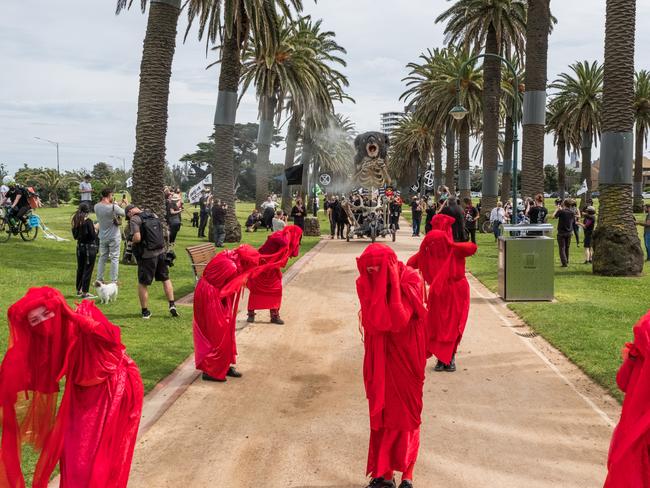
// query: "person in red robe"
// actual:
[[266, 288], [393, 320], [93, 433], [216, 300], [442, 263], [629, 453]]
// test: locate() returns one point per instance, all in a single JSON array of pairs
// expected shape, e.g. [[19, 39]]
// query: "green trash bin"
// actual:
[[526, 271]]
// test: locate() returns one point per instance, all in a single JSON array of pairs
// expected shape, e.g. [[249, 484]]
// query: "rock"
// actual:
[[312, 227]]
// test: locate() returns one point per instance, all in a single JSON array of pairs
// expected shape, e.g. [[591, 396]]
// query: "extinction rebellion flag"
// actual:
[[294, 175]]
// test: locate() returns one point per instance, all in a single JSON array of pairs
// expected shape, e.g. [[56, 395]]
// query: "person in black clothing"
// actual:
[[536, 213], [588, 225], [85, 233], [341, 220], [471, 217], [429, 214], [332, 209], [416, 213], [576, 226], [298, 214], [204, 212], [219, 222], [19, 198], [566, 218], [453, 209], [395, 210]]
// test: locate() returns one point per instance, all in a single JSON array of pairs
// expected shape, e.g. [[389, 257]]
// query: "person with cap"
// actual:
[[204, 211], [146, 233], [86, 191], [19, 198], [588, 224], [646, 229], [174, 209], [393, 328]]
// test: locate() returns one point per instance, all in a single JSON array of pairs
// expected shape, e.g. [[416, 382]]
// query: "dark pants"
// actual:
[[496, 229], [416, 226], [173, 230], [340, 229], [564, 244], [219, 234], [86, 254], [203, 222], [646, 238], [472, 234], [332, 227], [576, 231]]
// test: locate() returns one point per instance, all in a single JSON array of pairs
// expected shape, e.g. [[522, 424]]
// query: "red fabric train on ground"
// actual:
[[629, 453], [94, 431], [393, 319], [442, 263], [266, 288], [216, 299]]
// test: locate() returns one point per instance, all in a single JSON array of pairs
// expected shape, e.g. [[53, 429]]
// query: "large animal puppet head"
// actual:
[[371, 145]]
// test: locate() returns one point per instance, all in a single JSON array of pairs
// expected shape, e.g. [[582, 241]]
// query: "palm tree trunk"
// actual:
[[464, 183], [491, 102], [151, 126], [587, 142], [537, 29], [561, 165], [617, 249], [638, 171], [264, 140], [305, 159], [437, 160], [450, 148], [506, 175], [224, 130], [289, 159]]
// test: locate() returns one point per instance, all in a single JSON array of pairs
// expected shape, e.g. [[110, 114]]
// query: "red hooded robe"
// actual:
[[216, 300], [629, 452], [94, 431], [393, 319], [266, 288], [442, 263]]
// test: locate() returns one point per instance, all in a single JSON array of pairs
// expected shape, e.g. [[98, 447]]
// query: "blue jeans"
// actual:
[[416, 226], [109, 250], [219, 235], [496, 229], [646, 238]]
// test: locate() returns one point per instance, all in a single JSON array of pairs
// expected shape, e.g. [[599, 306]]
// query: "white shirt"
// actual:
[[268, 204], [85, 191], [498, 215]]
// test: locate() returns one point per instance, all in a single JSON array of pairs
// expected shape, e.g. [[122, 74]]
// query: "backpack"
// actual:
[[151, 231]]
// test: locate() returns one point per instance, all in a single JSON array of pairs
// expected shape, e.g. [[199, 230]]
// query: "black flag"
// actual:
[[294, 175]]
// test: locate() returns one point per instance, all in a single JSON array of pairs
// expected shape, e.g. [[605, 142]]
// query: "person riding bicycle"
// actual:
[[19, 197]]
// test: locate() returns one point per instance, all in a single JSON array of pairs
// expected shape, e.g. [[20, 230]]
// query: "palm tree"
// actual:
[[151, 126], [617, 249], [539, 23], [642, 120], [52, 182], [233, 22], [410, 149], [488, 25], [581, 94], [509, 102], [556, 124]]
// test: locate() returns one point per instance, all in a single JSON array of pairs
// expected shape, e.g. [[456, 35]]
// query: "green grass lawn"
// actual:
[[592, 316]]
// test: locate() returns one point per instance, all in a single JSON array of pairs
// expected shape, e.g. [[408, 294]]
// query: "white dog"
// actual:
[[107, 292]]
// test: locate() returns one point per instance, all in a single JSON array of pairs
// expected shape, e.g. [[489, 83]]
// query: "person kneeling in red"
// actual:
[[266, 288], [629, 453], [442, 263], [92, 434], [394, 336], [216, 299]]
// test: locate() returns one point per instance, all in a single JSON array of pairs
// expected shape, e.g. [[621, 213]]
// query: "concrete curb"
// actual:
[[170, 388]]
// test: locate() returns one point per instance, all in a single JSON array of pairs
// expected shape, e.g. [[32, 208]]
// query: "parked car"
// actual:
[[547, 195], [476, 194], [646, 195]]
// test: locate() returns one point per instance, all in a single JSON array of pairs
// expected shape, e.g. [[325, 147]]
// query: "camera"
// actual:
[[170, 256]]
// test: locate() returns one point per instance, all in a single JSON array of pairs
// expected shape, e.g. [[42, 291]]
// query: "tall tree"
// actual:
[[617, 249], [488, 25], [642, 122], [557, 124], [151, 127], [232, 22], [581, 95], [537, 31], [510, 103], [411, 148]]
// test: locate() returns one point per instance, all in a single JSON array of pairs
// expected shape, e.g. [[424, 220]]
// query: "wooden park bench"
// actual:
[[200, 256]]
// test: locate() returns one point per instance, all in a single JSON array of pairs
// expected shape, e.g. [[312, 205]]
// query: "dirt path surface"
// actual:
[[511, 416]]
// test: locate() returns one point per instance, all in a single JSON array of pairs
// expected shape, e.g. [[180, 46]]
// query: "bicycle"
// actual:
[[26, 227], [486, 228]]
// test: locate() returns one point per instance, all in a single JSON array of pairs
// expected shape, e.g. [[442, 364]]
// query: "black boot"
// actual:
[[233, 373], [251, 317], [207, 377], [406, 484], [440, 366], [451, 367], [381, 483]]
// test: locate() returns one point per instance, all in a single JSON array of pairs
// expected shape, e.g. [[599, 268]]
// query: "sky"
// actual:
[[70, 72]]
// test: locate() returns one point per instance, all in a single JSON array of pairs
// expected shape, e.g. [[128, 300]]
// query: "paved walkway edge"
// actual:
[[552, 357], [170, 388]]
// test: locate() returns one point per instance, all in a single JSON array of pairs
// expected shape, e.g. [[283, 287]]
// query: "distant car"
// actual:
[[476, 194], [595, 194], [547, 195], [646, 195]]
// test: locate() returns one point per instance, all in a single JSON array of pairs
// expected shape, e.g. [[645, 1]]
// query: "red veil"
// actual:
[[216, 300], [393, 319], [442, 263], [629, 453], [94, 431], [266, 288]]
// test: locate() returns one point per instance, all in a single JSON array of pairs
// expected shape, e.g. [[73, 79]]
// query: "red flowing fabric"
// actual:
[[629, 452], [442, 263], [94, 431], [393, 319], [266, 288], [216, 299]]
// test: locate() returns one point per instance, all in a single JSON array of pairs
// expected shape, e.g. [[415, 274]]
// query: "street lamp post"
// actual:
[[121, 159], [459, 113], [58, 169]]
